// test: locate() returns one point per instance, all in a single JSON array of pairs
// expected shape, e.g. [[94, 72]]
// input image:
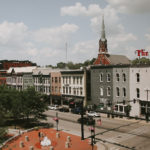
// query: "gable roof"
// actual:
[[119, 59]]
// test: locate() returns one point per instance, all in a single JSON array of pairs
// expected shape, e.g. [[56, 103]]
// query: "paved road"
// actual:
[[113, 134]]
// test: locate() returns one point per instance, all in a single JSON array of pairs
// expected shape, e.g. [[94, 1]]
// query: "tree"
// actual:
[[142, 60], [61, 65], [33, 105]]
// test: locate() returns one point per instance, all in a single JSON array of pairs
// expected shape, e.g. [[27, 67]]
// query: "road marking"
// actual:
[[126, 136], [114, 148]]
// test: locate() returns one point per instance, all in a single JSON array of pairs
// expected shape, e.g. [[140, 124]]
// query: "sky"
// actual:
[[43, 30]]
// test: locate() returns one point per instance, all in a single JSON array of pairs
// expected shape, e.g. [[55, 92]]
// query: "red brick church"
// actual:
[[104, 58]]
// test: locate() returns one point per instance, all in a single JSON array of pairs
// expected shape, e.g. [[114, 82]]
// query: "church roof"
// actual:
[[118, 59]]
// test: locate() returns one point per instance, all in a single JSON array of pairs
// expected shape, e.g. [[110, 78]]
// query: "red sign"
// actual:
[[99, 121], [141, 52], [55, 119]]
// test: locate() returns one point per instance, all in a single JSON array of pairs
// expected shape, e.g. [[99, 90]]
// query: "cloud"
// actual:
[[130, 6], [147, 36], [41, 46], [84, 50], [79, 10], [12, 33], [55, 36]]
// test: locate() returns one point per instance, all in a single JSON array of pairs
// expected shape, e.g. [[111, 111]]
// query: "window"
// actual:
[[137, 77], [59, 79], [56, 89], [66, 90], [66, 80], [118, 91], [80, 80], [117, 77], [108, 91], [124, 92], [124, 77], [74, 91], [73, 80], [69, 90], [77, 80], [120, 108], [55, 79], [138, 93], [77, 91], [63, 80], [63, 89], [69, 80], [81, 92], [101, 91], [101, 77], [108, 77]]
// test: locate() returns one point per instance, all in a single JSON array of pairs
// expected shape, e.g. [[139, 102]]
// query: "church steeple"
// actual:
[[103, 30], [103, 40]]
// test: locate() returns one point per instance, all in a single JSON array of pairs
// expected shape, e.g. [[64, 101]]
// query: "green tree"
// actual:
[[61, 65], [33, 104], [142, 60]]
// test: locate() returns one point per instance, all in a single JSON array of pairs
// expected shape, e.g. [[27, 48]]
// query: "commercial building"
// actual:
[[75, 86], [19, 78]]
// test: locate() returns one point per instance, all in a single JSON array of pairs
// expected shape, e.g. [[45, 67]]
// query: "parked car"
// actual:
[[77, 110], [53, 107], [87, 120], [93, 114], [64, 109]]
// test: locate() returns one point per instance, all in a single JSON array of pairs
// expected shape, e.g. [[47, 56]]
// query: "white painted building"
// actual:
[[74, 85], [139, 84], [15, 76]]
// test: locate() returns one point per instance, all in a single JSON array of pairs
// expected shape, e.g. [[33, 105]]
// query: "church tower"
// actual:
[[103, 52]]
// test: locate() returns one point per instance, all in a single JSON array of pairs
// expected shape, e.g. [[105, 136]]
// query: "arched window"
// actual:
[[101, 77], [101, 91], [118, 91], [138, 93], [117, 77], [108, 77], [108, 91], [137, 77], [124, 77], [124, 92]]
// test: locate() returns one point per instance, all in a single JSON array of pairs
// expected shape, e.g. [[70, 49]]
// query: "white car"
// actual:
[[53, 107], [93, 114]]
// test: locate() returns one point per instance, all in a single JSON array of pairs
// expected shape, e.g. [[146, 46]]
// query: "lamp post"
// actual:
[[57, 120], [146, 111], [92, 129], [82, 123]]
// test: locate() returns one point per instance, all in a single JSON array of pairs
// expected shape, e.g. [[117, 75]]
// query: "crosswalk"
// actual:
[[126, 136]]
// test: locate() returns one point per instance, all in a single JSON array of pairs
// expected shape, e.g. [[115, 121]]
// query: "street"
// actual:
[[113, 134]]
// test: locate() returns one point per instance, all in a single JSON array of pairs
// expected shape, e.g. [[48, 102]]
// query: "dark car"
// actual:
[[77, 110], [64, 109], [87, 120]]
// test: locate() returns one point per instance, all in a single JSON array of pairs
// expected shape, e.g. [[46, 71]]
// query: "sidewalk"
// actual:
[[125, 119]]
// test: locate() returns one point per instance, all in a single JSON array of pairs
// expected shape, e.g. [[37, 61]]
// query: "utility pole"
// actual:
[[146, 111], [82, 123]]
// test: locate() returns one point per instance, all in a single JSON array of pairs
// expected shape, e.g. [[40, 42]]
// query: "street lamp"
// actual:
[[92, 129], [82, 123], [56, 119], [146, 111]]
